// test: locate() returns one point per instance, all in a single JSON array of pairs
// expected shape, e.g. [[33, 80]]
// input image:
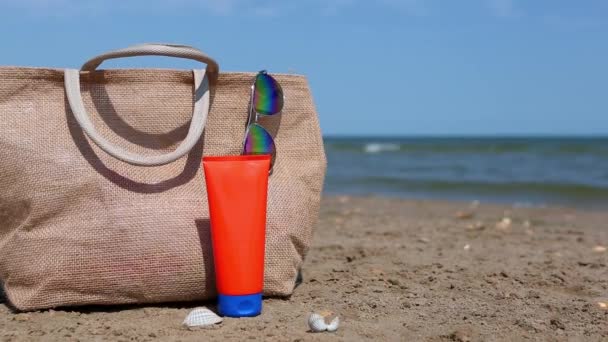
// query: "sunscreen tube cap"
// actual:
[[240, 305]]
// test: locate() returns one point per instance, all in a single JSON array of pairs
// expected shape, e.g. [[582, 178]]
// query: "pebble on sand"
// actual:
[[474, 204], [464, 215], [21, 317], [376, 271], [476, 226], [461, 335], [602, 305], [343, 199], [424, 240], [599, 249]]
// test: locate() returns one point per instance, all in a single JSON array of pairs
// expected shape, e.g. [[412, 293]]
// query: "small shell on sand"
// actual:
[[504, 223], [201, 317], [467, 247], [323, 321], [602, 305], [599, 249], [333, 325], [316, 323]]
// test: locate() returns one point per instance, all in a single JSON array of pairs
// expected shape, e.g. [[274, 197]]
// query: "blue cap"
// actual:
[[240, 306]]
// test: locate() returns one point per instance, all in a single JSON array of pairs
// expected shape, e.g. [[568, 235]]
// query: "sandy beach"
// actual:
[[400, 270]]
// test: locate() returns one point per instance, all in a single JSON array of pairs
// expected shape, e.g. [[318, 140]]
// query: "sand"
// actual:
[[400, 270]]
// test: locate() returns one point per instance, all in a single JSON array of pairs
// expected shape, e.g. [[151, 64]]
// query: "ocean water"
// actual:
[[531, 171]]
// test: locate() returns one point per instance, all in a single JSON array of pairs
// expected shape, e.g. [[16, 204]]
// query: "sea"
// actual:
[[522, 171]]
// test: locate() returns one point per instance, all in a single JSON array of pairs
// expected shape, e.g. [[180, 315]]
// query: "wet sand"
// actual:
[[400, 270]]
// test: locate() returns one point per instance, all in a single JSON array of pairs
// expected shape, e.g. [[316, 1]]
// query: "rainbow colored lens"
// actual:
[[268, 95], [258, 141]]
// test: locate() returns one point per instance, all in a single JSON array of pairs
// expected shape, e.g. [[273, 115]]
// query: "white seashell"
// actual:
[[333, 325], [201, 317], [316, 322]]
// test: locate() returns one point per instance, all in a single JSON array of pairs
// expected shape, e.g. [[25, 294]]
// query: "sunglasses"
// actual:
[[266, 100]]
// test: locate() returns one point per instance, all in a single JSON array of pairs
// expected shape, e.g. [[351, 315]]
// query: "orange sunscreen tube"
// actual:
[[237, 188]]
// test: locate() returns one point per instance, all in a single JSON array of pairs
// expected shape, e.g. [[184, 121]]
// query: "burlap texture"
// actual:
[[79, 227]]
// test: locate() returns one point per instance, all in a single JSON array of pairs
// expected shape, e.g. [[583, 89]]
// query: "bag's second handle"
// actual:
[[199, 116]]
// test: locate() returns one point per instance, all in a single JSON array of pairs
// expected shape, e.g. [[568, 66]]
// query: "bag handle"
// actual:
[[201, 101], [157, 49]]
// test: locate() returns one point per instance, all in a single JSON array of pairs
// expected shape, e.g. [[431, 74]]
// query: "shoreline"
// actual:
[[397, 269], [569, 204]]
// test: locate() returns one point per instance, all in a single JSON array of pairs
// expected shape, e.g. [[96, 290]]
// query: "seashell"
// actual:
[[324, 321], [201, 317], [504, 223], [333, 325], [316, 322]]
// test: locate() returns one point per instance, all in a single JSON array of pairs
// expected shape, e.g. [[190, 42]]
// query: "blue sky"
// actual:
[[385, 67]]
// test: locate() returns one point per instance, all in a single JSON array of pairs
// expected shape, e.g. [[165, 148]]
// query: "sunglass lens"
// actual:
[[258, 141], [268, 96]]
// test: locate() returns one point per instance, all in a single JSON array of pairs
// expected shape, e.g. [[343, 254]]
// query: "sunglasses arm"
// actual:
[[253, 117]]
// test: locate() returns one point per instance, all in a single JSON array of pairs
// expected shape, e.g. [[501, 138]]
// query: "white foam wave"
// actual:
[[380, 147]]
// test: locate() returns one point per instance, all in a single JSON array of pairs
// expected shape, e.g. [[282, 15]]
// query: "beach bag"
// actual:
[[102, 194]]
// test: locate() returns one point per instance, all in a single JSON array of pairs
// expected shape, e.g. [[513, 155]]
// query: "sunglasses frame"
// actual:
[[253, 115]]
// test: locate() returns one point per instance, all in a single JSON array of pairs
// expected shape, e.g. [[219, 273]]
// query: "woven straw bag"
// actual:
[[102, 197]]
